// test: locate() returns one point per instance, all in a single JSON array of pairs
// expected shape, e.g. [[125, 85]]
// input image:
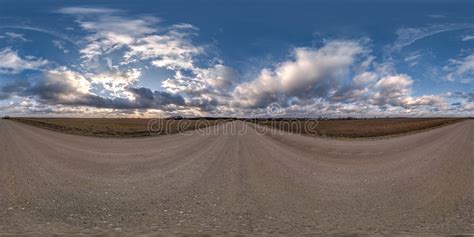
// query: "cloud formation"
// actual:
[[312, 73], [467, 38], [65, 87], [409, 35], [338, 78], [14, 36], [11, 62], [143, 40], [392, 90], [462, 69]]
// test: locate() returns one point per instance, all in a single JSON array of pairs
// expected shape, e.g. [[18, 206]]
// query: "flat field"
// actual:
[[118, 127], [358, 128], [136, 127]]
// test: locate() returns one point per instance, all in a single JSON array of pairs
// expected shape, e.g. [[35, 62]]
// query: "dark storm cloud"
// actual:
[[63, 92], [146, 98]]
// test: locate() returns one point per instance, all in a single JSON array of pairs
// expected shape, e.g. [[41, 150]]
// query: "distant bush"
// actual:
[[6, 117]]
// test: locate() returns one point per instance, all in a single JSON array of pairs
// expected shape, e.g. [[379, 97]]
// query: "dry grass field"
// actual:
[[118, 127], [358, 128], [135, 127]]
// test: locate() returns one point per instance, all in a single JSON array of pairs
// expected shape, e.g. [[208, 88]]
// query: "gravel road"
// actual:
[[223, 183]]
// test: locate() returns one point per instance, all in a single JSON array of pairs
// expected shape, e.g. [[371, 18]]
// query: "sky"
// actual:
[[260, 58]]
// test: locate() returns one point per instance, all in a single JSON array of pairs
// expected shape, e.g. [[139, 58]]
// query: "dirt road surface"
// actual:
[[224, 183]]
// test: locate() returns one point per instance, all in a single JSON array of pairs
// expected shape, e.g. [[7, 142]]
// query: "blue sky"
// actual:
[[237, 58]]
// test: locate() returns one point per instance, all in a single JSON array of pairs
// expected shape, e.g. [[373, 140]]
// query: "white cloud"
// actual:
[[115, 83], [467, 65], [413, 59], [15, 36], [60, 45], [219, 77], [70, 85], [139, 39], [52, 33], [205, 88], [11, 62], [467, 38], [461, 70], [312, 73], [86, 10], [436, 101], [392, 90], [142, 41], [69, 88], [436, 15], [214, 80], [109, 30], [394, 83], [468, 107], [377, 92], [409, 35], [338, 79], [172, 50], [364, 78]]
